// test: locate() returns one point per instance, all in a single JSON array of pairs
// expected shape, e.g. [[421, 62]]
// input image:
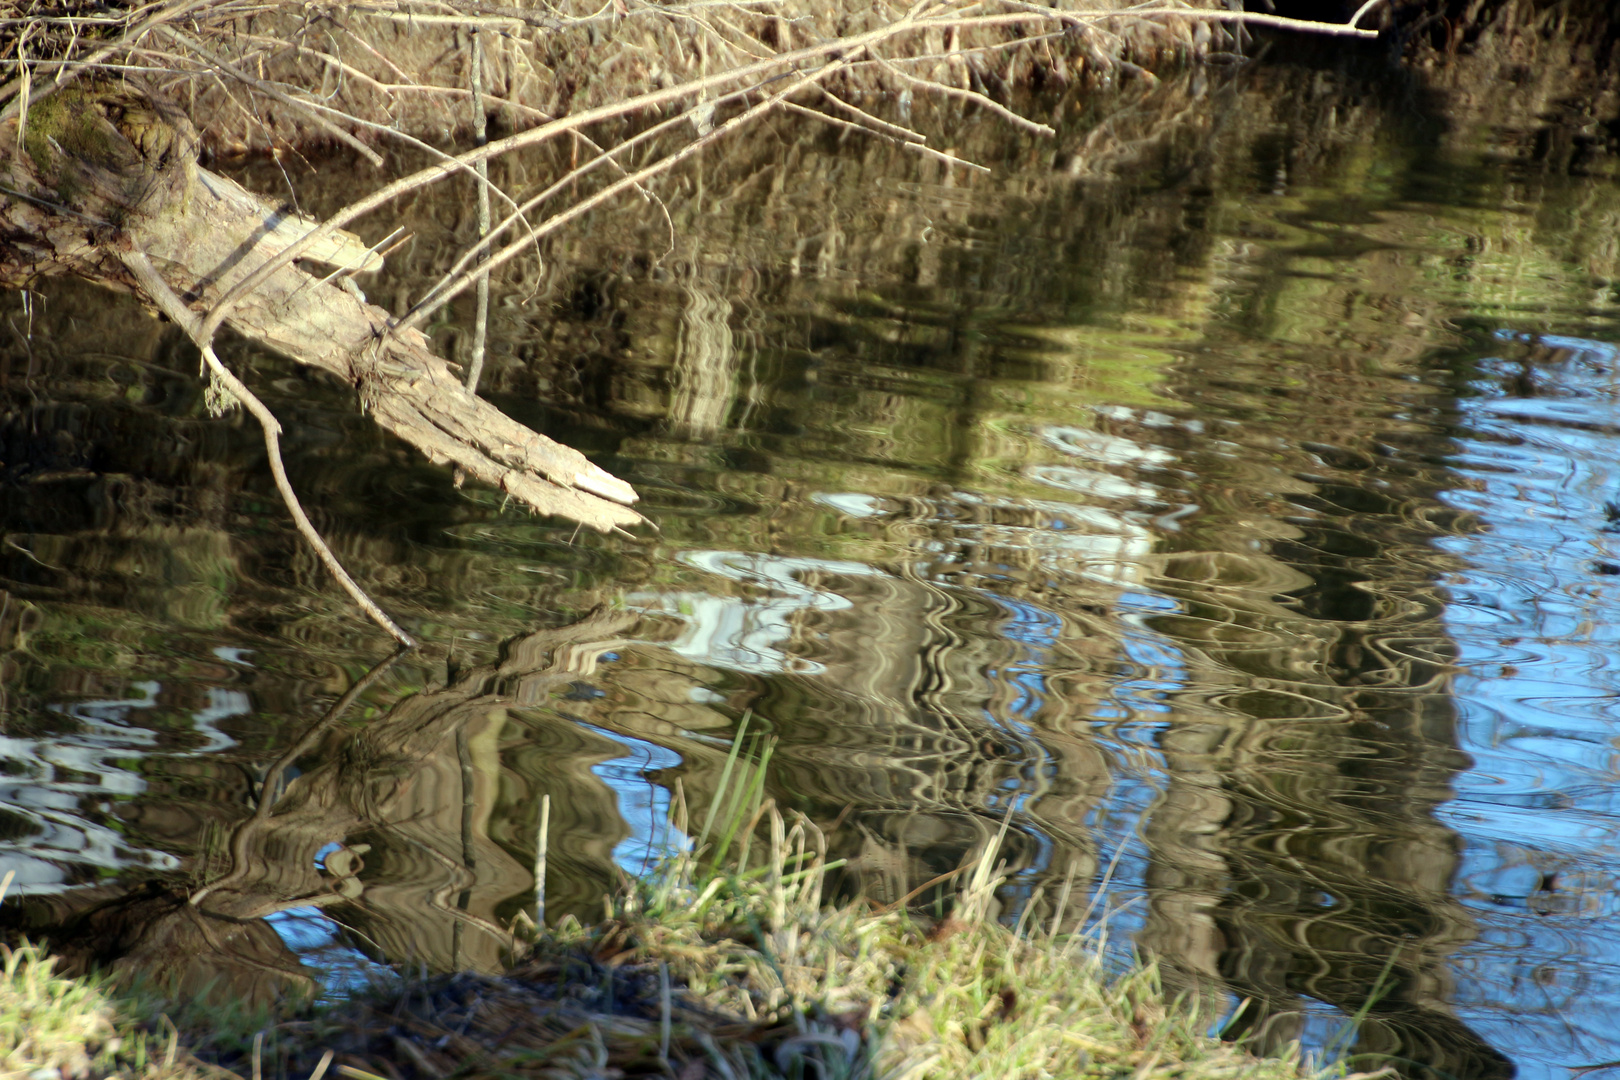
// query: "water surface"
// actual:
[[1225, 493]]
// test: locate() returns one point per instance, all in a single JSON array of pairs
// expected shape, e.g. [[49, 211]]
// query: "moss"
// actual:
[[65, 121], [95, 139]]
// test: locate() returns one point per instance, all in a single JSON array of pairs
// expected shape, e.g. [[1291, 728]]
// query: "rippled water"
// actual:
[[1228, 497]]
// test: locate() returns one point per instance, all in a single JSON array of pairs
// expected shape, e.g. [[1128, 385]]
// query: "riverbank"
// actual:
[[1310, 913], [286, 77], [694, 972]]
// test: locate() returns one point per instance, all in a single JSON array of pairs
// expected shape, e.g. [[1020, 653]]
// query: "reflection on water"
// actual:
[[1236, 514], [1536, 699], [48, 842]]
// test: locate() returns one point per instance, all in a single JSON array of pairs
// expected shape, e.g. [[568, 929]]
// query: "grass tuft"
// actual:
[[745, 972], [735, 972], [58, 1028], [67, 1026]]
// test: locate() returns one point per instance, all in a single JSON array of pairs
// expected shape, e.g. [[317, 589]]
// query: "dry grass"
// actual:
[[260, 74], [731, 966], [748, 973]]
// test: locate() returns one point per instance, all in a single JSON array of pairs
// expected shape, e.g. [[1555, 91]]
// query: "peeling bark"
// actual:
[[107, 167]]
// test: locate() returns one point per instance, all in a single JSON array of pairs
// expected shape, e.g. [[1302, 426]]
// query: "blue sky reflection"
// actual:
[[1534, 619]]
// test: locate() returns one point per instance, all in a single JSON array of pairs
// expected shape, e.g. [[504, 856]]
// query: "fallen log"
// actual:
[[107, 187]]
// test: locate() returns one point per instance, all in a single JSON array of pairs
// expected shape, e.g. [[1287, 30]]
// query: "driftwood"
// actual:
[[108, 170]]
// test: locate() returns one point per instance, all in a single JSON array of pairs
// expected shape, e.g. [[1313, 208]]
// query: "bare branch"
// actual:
[[984, 101], [584, 206], [866, 119], [475, 366], [747, 74], [270, 91], [175, 309], [1362, 10], [909, 144]]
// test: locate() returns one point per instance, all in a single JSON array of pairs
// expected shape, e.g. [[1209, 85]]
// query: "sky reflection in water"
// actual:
[[1189, 546], [1536, 618]]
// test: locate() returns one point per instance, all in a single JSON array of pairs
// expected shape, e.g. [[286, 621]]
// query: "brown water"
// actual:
[[1226, 493]]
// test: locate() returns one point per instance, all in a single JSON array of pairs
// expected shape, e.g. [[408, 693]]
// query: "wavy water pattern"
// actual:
[[1236, 522], [1536, 618], [49, 782]]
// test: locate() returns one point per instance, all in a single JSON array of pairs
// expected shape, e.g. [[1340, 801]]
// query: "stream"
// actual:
[[1226, 494]]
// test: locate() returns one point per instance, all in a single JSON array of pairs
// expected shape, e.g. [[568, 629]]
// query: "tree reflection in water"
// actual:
[[1170, 500]]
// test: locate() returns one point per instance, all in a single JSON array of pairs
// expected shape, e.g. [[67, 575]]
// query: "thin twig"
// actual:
[[467, 15], [175, 309], [475, 367], [899, 131], [746, 74], [993, 47], [849, 125], [270, 91], [480, 175], [543, 849], [26, 76], [982, 100], [1362, 10], [386, 89], [584, 206], [1247, 18], [430, 300], [68, 74]]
